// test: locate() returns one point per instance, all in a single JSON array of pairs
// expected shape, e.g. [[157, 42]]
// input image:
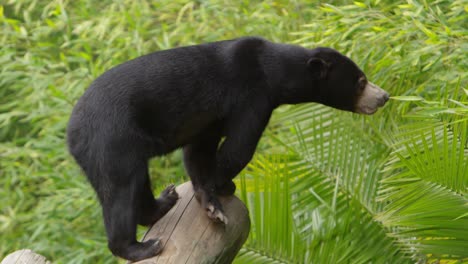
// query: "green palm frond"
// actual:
[[265, 190], [391, 187], [425, 192], [331, 174], [356, 191]]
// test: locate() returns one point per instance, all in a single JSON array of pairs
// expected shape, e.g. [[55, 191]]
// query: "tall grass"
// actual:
[[349, 177]]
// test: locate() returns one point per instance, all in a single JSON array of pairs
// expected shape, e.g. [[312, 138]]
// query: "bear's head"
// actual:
[[341, 84]]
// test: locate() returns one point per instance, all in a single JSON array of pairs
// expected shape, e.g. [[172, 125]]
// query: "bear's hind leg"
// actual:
[[120, 191], [154, 209]]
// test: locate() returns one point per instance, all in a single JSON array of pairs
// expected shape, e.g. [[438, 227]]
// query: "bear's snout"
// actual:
[[384, 99], [371, 99]]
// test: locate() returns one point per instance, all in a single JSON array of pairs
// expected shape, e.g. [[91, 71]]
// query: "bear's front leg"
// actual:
[[199, 161], [226, 188], [243, 131]]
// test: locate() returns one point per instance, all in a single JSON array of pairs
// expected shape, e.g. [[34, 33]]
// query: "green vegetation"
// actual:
[[324, 187]]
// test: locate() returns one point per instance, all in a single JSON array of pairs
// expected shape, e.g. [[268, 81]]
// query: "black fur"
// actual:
[[192, 97]]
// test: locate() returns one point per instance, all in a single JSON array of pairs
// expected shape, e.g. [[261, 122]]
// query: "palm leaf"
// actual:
[[330, 173], [428, 174]]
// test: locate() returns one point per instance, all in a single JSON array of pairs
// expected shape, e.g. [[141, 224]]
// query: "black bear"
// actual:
[[192, 97]]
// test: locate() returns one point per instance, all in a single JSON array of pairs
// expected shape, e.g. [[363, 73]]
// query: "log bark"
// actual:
[[189, 236]]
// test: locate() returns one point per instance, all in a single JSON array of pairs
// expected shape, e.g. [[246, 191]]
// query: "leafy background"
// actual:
[[324, 187]]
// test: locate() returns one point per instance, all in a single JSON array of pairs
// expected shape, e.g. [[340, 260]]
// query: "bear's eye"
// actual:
[[362, 83]]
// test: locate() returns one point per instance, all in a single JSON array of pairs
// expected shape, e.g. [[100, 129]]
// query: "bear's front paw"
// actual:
[[211, 204], [216, 214]]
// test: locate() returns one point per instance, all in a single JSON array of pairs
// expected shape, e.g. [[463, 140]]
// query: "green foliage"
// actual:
[[325, 186], [390, 188]]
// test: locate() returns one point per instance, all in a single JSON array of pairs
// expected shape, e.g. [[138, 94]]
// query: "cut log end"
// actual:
[[25, 256], [189, 236]]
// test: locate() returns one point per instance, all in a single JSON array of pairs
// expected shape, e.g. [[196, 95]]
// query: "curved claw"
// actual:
[[170, 191], [216, 215]]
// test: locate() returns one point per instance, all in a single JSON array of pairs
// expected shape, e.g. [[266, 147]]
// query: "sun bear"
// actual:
[[193, 97]]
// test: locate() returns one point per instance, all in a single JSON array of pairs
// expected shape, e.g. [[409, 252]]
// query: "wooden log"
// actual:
[[25, 256], [189, 236]]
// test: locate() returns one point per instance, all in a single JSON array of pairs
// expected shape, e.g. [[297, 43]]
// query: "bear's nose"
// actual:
[[386, 97]]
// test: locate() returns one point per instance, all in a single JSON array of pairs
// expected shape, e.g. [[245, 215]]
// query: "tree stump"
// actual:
[[189, 236], [25, 256]]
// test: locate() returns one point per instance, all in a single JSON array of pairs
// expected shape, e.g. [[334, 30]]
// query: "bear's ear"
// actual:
[[318, 68]]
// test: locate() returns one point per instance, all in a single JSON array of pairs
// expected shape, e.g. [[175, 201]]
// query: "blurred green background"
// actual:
[[325, 186]]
